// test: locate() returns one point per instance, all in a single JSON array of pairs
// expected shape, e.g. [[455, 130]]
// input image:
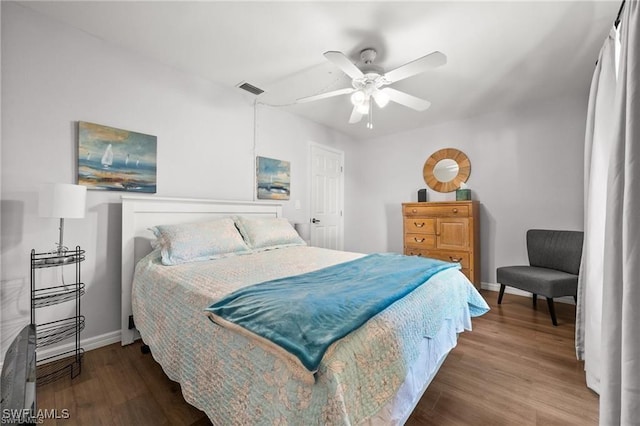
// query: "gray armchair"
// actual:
[[554, 263]]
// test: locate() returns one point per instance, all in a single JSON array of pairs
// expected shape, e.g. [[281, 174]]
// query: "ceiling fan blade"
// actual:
[[406, 99], [356, 116], [432, 60], [325, 95], [342, 62]]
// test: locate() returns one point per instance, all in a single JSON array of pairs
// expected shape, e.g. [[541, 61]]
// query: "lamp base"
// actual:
[[60, 248]]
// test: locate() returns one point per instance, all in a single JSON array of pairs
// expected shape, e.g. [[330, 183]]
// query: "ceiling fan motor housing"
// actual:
[[368, 55], [368, 83], [371, 72]]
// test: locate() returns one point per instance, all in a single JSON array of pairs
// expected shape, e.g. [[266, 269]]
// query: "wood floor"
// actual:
[[515, 368]]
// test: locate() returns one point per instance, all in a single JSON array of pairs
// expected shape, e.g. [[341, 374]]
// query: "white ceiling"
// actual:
[[500, 54]]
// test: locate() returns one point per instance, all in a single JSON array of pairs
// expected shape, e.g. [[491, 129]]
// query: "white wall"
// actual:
[[526, 171], [53, 76]]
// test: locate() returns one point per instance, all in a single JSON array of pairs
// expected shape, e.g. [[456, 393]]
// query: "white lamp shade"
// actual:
[[62, 200]]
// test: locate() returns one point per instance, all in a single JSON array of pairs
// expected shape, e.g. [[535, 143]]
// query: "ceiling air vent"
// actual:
[[250, 88]]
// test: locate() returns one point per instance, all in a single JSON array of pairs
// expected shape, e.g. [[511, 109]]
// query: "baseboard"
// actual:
[[88, 344], [510, 290]]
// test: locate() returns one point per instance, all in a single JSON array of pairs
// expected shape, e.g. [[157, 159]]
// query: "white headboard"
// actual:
[[140, 213]]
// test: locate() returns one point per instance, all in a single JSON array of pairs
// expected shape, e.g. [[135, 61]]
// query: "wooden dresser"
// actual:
[[448, 230]]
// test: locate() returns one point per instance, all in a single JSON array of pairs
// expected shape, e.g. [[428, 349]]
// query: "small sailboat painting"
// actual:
[[273, 179], [113, 159], [107, 157]]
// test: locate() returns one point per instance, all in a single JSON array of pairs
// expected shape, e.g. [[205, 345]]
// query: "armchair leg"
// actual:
[[502, 286], [535, 300], [552, 310]]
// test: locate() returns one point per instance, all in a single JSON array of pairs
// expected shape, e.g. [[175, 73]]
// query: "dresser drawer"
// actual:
[[418, 225], [413, 251], [436, 211], [447, 256], [420, 241], [464, 260], [450, 256]]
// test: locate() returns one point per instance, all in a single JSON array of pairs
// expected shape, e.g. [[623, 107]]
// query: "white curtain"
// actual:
[[608, 317], [597, 146]]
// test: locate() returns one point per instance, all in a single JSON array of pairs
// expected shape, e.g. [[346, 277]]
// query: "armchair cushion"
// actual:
[[543, 281]]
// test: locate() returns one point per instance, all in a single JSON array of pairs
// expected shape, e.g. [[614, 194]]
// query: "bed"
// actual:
[[374, 375]]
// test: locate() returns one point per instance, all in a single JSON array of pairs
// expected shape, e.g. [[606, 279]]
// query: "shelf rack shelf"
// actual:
[[59, 330], [52, 332], [53, 259], [58, 366], [58, 294]]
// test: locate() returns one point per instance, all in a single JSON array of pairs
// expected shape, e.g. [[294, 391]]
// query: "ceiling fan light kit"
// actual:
[[363, 107], [357, 97], [368, 83], [381, 97]]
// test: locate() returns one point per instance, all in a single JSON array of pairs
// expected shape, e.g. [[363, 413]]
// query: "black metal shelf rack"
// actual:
[[49, 333]]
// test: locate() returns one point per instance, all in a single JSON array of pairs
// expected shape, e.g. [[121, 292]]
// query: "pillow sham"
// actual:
[[191, 242], [265, 233]]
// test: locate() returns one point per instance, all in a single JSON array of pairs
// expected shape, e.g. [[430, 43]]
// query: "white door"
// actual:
[[327, 197]]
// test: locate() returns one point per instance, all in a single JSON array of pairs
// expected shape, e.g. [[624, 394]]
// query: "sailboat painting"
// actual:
[[113, 159], [273, 179], [107, 157]]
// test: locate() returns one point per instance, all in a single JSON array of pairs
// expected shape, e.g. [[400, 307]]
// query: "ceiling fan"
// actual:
[[369, 83]]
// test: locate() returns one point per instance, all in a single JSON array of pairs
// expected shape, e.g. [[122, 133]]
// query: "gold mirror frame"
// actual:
[[464, 169]]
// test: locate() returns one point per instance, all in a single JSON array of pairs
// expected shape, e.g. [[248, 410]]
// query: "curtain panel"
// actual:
[[608, 312]]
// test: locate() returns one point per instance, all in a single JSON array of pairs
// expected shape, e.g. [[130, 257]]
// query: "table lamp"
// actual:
[[64, 201]]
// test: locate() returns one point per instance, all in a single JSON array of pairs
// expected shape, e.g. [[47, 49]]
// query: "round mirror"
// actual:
[[446, 169]]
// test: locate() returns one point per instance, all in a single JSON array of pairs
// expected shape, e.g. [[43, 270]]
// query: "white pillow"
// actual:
[[265, 233], [190, 242]]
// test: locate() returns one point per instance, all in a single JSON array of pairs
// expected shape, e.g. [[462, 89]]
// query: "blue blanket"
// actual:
[[305, 314]]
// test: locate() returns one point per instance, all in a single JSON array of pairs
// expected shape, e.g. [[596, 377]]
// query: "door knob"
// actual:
[[314, 220]]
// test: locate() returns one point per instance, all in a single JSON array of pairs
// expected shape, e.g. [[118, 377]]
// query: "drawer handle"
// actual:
[[414, 211], [415, 254], [418, 225], [455, 259], [455, 210], [418, 240]]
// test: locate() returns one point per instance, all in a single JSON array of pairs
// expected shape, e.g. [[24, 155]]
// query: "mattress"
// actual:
[[364, 378]]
